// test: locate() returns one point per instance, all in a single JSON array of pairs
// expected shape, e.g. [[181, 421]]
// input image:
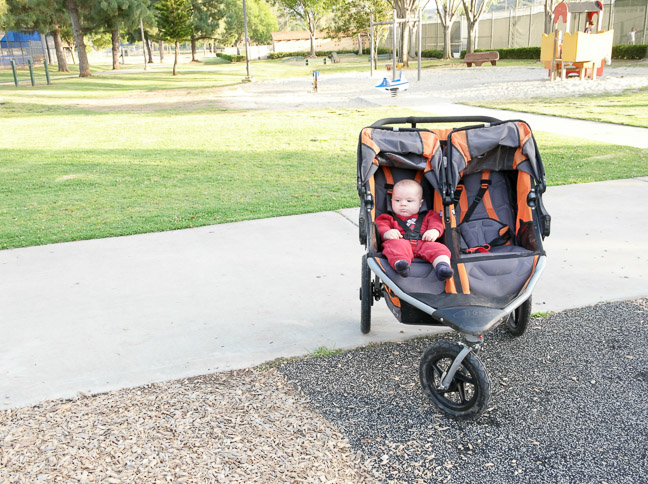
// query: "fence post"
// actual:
[[31, 71], [46, 65], [15, 74]]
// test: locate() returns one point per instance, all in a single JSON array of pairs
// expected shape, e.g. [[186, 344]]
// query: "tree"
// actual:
[[405, 10], [174, 23], [77, 30], [42, 15], [261, 22], [473, 9], [447, 9], [352, 18], [205, 21], [310, 12], [111, 15], [549, 7]]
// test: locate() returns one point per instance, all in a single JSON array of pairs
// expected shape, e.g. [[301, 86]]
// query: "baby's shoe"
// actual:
[[443, 271], [402, 267]]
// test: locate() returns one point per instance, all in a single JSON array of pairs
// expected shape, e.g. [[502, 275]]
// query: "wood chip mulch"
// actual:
[[242, 426]]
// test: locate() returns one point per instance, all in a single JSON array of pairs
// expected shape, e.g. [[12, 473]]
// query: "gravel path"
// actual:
[[568, 404]]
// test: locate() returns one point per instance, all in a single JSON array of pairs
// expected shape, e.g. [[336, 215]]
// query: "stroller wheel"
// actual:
[[468, 394], [518, 320], [366, 297]]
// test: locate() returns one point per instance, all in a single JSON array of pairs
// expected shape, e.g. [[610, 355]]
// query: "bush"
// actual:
[[618, 52], [318, 53], [231, 58], [436, 54], [629, 51], [517, 53]]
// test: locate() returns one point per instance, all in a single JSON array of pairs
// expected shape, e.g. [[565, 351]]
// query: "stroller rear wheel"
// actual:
[[518, 320], [366, 297], [469, 391]]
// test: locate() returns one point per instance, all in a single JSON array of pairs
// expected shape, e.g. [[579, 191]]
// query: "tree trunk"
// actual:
[[60, 54], [359, 44], [548, 27], [149, 46], [193, 49], [447, 41], [84, 66], [405, 35], [471, 37], [175, 60], [114, 35], [161, 47], [312, 44]]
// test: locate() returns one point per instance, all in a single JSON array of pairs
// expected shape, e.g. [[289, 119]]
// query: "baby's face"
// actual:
[[406, 200]]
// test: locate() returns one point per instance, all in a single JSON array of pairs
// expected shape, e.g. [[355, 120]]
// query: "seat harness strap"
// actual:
[[505, 233], [483, 187], [412, 234]]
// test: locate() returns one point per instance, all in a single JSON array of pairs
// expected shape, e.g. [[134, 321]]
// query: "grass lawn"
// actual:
[[75, 173], [629, 108]]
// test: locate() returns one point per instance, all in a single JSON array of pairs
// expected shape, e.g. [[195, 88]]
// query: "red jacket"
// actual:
[[431, 221]]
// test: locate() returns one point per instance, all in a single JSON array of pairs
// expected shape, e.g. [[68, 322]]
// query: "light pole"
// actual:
[[247, 44]]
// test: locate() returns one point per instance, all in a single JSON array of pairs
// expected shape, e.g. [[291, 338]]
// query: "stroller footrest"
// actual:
[[475, 320]]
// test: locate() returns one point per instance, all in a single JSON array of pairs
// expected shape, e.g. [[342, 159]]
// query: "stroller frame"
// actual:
[[503, 154]]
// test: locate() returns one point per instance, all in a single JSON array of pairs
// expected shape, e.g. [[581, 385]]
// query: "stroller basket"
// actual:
[[486, 181]]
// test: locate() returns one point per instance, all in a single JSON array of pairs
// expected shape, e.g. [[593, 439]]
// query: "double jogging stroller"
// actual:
[[486, 181]]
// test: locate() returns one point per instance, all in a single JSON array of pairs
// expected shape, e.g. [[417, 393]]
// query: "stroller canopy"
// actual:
[[411, 149]]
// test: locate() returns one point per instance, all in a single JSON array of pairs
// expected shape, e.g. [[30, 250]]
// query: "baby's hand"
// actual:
[[392, 234], [431, 235]]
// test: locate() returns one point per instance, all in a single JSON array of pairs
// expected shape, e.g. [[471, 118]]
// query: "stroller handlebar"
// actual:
[[414, 120]]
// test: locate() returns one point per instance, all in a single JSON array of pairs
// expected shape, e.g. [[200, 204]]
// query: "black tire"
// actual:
[[362, 225], [518, 320], [469, 392], [366, 297]]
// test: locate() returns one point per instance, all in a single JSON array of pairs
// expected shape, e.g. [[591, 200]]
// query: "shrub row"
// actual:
[[629, 51], [517, 53], [231, 58], [618, 52], [319, 53], [432, 53]]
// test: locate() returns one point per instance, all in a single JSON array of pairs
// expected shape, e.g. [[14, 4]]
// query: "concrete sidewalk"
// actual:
[[97, 315]]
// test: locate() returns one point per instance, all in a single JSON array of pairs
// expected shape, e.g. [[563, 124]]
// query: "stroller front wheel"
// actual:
[[469, 391]]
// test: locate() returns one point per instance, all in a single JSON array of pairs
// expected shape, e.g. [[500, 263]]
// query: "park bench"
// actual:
[[478, 58]]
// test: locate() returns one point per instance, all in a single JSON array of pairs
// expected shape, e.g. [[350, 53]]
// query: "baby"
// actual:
[[407, 199]]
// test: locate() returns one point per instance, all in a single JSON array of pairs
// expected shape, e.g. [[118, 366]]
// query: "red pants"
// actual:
[[401, 249]]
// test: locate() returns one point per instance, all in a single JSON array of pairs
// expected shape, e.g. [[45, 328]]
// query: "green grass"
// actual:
[[629, 108], [323, 351], [70, 173]]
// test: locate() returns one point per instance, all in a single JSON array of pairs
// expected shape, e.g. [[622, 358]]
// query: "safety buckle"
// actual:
[[481, 249]]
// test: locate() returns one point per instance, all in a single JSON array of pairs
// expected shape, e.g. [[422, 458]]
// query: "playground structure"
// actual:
[[580, 53], [401, 83]]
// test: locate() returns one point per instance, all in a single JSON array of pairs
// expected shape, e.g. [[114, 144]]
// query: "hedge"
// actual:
[[432, 53], [231, 58], [618, 52], [319, 53], [517, 53], [638, 51]]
